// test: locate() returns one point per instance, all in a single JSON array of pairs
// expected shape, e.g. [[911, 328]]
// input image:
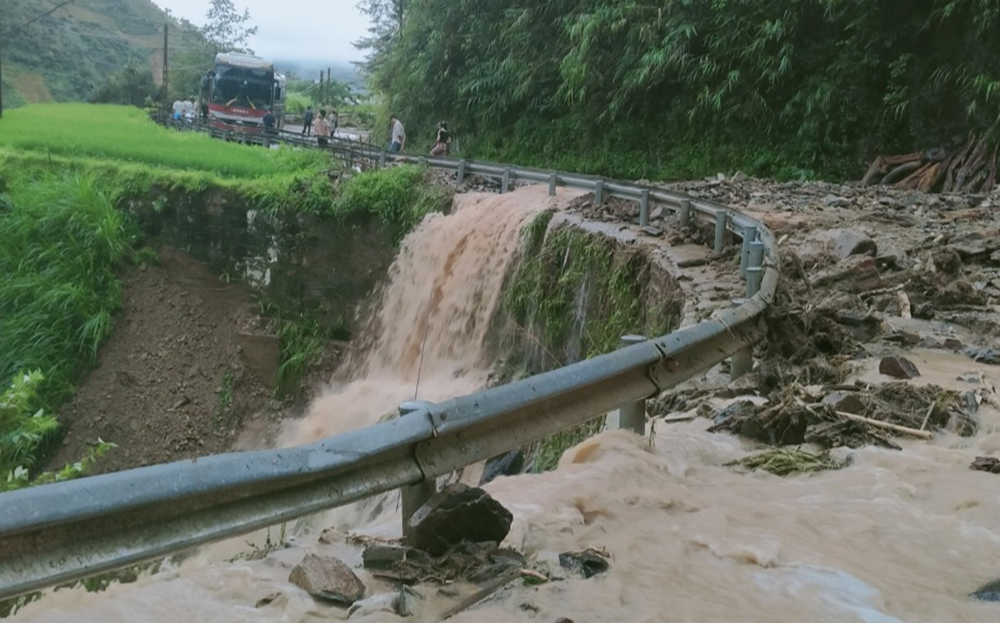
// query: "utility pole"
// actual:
[[320, 92], [166, 74], [329, 87]]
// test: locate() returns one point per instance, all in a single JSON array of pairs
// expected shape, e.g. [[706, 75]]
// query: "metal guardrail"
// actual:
[[66, 531]]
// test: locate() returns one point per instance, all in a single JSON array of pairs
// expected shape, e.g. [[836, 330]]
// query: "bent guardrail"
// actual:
[[66, 531]]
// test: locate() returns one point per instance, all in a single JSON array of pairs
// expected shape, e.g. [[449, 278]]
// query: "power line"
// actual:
[[37, 17]]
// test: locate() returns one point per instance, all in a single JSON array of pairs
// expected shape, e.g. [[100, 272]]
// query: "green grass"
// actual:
[[398, 196], [61, 242], [124, 133]]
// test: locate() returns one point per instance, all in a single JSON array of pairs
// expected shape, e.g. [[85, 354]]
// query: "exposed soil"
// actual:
[[187, 368]]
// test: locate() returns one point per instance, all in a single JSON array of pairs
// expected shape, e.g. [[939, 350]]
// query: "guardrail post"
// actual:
[[632, 415], [553, 179], [505, 184], [644, 208], [422, 161], [685, 213], [461, 172], [741, 362], [599, 192], [749, 236], [755, 271], [720, 230], [755, 254], [414, 496]]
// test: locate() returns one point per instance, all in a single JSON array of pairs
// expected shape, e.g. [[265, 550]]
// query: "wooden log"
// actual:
[[930, 179], [911, 181], [878, 168], [895, 161], [972, 164], [922, 434], [956, 164], [941, 178], [976, 180], [991, 179], [900, 172]]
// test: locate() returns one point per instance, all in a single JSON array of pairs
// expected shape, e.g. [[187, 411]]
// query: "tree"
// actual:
[[187, 69], [132, 86], [387, 19], [228, 29]]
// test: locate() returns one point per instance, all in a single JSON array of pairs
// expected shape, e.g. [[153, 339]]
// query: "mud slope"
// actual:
[[179, 376]]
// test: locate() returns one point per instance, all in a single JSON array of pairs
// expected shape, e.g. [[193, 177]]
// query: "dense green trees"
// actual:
[[674, 87], [132, 86]]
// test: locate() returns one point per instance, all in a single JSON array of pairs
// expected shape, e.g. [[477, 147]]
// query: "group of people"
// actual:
[[324, 126], [397, 137], [186, 110]]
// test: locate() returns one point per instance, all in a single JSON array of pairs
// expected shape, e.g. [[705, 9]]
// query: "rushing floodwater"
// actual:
[[897, 536]]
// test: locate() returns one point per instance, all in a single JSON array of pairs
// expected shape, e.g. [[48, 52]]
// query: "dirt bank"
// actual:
[[188, 365]]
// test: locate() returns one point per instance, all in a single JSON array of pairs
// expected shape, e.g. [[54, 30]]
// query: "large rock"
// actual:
[[988, 592], [948, 262], [898, 367], [587, 563], [847, 402], [852, 242], [455, 514], [857, 273], [327, 578], [504, 465]]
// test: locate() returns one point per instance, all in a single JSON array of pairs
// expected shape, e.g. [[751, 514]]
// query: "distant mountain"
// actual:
[[68, 54]]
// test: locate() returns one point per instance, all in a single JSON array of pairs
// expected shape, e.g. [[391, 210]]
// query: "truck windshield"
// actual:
[[238, 86]]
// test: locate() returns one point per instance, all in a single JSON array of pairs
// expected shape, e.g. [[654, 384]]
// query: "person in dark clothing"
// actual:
[[307, 121], [443, 140], [269, 122]]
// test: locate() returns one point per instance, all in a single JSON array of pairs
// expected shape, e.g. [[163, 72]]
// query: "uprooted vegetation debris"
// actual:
[[783, 461], [852, 416]]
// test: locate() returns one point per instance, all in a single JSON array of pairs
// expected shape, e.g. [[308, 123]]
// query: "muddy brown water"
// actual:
[[899, 536]]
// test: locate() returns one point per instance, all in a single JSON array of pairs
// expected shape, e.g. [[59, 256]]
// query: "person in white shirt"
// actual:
[[398, 141]]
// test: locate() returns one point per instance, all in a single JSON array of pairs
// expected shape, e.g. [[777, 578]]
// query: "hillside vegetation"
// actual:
[[670, 88], [71, 53]]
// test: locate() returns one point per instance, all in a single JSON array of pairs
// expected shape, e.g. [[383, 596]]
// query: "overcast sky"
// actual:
[[300, 30]]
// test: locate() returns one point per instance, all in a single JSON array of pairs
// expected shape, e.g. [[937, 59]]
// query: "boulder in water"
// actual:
[[504, 465], [988, 592], [986, 464], [326, 577], [588, 563], [898, 367], [455, 514]]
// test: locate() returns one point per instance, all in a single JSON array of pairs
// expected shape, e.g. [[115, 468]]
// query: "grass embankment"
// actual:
[[71, 176], [572, 296], [61, 241]]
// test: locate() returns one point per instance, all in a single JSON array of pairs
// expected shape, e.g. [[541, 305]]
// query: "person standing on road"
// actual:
[[443, 140], [307, 121], [269, 121], [322, 129], [398, 134]]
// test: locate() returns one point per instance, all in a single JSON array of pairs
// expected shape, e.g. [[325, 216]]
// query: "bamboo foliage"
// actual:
[[845, 77]]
